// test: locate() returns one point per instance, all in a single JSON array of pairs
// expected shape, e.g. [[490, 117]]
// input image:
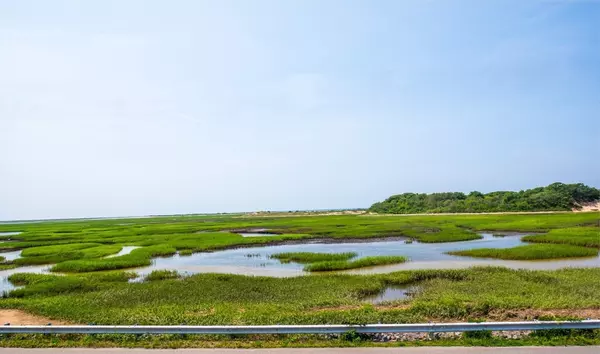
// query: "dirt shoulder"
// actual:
[[22, 318]]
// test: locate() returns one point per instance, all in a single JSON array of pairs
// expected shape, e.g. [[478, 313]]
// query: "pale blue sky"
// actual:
[[112, 108]]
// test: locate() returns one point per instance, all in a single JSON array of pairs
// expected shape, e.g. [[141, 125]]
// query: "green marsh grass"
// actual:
[[51, 285], [66, 252], [530, 252], [54, 249], [65, 243], [310, 257], [578, 236], [137, 258], [181, 232], [161, 275], [170, 341], [359, 263], [219, 299], [95, 291]]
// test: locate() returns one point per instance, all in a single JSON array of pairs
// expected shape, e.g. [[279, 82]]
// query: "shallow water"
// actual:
[[254, 234], [125, 250], [257, 261], [6, 285], [12, 233], [12, 255], [391, 293]]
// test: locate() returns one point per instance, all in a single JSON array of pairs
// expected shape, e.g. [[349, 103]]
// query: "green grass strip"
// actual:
[[310, 257], [137, 258], [577, 236], [359, 263], [529, 252]]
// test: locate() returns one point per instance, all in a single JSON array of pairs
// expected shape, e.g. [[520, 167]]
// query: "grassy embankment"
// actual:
[[347, 340], [211, 299]]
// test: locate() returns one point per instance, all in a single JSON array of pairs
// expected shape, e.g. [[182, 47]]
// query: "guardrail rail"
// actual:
[[306, 329]]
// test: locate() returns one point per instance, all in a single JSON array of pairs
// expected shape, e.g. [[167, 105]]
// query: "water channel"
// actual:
[[258, 261]]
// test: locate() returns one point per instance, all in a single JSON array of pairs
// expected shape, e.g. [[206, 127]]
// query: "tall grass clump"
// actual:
[[162, 275], [359, 263], [310, 257], [529, 252]]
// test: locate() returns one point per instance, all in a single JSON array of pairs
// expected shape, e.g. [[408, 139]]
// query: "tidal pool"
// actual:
[[392, 293], [125, 250], [258, 261], [6, 285], [255, 234], [12, 255], [12, 233]]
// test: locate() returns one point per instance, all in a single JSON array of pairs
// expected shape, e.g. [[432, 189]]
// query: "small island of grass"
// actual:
[[310, 257], [529, 252], [359, 263], [323, 262]]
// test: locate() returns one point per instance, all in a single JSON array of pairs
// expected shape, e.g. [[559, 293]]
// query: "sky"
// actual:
[[122, 108]]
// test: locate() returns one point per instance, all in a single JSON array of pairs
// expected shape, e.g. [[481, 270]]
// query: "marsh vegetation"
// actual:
[[94, 289], [530, 252]]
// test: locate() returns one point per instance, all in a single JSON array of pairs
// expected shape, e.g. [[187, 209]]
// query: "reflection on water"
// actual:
[[257, 261]]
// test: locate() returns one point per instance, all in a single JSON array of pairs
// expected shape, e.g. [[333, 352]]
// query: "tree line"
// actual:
[[554, 197]]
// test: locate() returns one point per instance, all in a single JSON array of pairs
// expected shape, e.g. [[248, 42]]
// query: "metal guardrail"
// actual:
[[306, 329]]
